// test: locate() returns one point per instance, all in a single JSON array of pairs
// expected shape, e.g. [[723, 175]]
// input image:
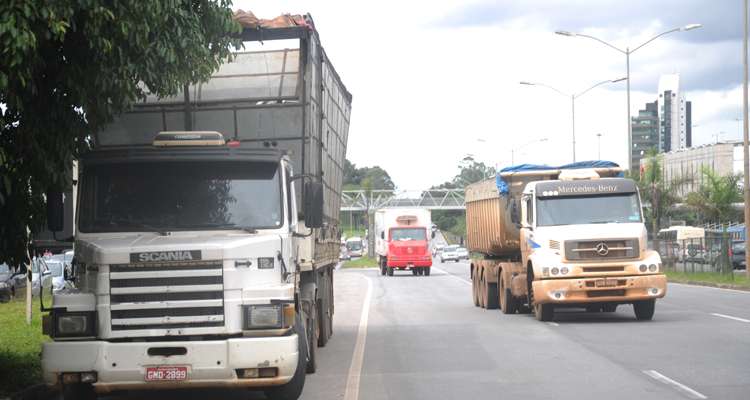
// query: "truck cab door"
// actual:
[[527, 226]]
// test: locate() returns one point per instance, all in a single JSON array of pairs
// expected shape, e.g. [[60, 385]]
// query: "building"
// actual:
[[682, 169], [645, 129], [675, 119]]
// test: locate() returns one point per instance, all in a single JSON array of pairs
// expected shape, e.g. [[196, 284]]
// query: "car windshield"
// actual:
[[55, 268], [354, 246], [619, 208], [450, 248], [180, 196], [403, 234], [4, 269]]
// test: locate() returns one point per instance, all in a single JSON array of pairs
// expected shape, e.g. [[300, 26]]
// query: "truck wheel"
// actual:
[[507, 301], [414, 272], [491, 295], [323, 322], [292, 390], [544, 312], [426, 271], [79, 391], [644, 310], [389, 271], [474, 294], [312, 329], [609, 307]]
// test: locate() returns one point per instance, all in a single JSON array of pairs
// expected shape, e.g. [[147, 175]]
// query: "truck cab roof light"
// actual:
[[188, 138]]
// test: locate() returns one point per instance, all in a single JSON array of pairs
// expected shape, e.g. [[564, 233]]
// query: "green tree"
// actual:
[[714, 198], [68, 67], [659, 195], [370, 178]]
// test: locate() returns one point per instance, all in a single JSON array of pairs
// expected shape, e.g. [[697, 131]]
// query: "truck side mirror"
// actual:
[[433, 234], [313, 204], [55, 211], [382, 235], [514, 217]]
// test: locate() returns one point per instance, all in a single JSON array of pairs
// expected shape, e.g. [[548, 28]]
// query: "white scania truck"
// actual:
[[207, 232]]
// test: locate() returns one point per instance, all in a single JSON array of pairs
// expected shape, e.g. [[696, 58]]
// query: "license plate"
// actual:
[[605, 282], [166, 374]]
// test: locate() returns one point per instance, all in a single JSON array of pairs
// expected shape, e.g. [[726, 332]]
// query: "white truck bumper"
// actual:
[[210, 363]]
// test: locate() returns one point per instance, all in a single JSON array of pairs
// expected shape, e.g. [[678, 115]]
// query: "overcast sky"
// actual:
[[433, 81]]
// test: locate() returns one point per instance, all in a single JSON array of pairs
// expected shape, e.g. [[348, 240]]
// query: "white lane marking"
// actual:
[[730, 317], [553, 323], [466, 281], [355, 369], [710, 287], [677, 385]]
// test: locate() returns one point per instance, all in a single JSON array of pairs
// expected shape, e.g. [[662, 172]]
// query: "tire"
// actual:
[[323, 325], [474, 291], [492, 296], [441, 260], [593, 308], [312, 330], [292, 390], [482, 290], [389, 271], [507, 301], [78, 391], [426, 271], [609, 307], [414, 272], [544, 312], [644, 310]]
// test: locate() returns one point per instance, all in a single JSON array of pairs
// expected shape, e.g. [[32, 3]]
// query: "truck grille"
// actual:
[[611, 249], [166, 295]]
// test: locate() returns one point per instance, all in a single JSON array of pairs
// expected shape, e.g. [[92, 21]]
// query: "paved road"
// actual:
[[426, 340]]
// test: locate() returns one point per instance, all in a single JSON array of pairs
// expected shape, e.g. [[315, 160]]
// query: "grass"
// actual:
[[362, 262], [20, 346], [710, 278]]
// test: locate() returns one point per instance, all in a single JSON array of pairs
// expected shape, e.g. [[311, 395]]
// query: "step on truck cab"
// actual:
[[403, 240], [552, 237], [207, 232]]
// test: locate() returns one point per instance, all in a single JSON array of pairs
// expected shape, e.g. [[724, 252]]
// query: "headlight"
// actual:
[[74, 324], [268, 316], [3, 285], [265, 263]]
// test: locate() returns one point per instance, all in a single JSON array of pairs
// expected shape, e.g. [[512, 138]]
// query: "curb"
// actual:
[[713, 285], [37, 392]]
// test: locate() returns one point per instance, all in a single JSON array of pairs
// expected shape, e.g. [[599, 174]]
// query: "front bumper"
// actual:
[[404, 262], [211, 363], [626, 289]]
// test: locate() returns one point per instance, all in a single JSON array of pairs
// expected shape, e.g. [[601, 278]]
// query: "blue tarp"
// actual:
[[502, 186]]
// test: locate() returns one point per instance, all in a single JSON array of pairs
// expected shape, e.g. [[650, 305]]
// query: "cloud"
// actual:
[[723, 22]]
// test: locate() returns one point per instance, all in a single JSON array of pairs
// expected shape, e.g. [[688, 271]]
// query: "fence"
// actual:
[[712, 253]]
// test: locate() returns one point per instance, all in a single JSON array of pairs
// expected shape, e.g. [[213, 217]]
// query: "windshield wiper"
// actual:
[[233, 226], [139, 224], [604, 222]]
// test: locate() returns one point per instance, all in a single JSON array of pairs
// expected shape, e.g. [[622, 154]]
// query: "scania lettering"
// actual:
[[205, 258]]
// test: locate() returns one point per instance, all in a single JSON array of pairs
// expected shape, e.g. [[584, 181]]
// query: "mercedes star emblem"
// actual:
[[602, 249]]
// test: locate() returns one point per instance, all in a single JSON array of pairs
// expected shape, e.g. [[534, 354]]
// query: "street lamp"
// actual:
[[573, 98], [599, 146], [627, 53], [513, 149]]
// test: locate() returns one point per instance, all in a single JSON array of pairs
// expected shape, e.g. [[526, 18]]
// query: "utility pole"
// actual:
[[745, 135]]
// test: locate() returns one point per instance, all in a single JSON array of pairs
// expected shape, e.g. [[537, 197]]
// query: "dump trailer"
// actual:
[[207, 231], [551, 237], [402, 240]]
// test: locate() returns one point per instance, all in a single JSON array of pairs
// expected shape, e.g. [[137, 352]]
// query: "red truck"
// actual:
[[402, 240]]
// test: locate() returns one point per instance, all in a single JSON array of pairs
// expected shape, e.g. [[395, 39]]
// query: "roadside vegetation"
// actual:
[[739, 281], [361, 262], [20, 347]]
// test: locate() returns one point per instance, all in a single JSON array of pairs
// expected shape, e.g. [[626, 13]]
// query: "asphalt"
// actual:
[[424, 339]]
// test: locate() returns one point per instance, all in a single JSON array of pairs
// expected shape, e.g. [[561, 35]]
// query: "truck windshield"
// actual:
[[165, 196], [620, 208], [408, 234]]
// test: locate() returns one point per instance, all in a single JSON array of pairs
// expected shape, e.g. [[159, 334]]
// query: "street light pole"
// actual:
[[573, 98], [598, 146], [745, 140], [627, 53]]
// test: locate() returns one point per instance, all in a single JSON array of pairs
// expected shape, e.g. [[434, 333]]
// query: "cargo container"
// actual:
[[573, 236]]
